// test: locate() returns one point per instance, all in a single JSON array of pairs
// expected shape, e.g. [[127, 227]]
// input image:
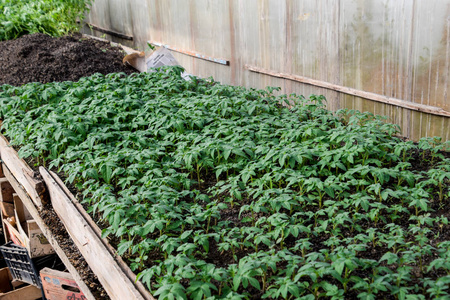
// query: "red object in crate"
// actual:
[[59, 285]]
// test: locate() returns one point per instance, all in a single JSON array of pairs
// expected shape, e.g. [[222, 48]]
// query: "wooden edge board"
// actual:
[[110, 32], [194, 54], [125, 268], [114, 281], [354, 92], [22, 172], [28, 203], [25, 293]]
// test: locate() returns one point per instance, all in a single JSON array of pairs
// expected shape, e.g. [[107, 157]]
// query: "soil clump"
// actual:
[[42, 58]]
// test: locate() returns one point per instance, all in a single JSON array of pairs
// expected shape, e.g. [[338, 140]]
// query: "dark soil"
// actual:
[[66, 243], [41, 58]]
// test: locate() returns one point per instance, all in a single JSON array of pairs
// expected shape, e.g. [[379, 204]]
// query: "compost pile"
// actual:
[[42, 58], [213, 190]]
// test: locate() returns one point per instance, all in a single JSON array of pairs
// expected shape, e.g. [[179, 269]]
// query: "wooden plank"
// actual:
[[6, 193], [350, 91], [30, 292], [16, 283], [125, 268], [195, 54], [5, 280], [7, 209], [28, 203], [5, 230], [21, 210], [110, 32], [115, 282], [38, 244], [59, 285], [15, 235], [22, 172]]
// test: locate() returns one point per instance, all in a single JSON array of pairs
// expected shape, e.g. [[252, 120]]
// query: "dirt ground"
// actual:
[[41, 58]]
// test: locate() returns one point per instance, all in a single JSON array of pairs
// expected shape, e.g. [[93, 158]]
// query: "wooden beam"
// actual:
[[115, 282], [216, 60], [22, 172], [6, 191], [5, 280], [28, 203], [125, 268], [7, 209], [110, 32], [30, 292], [354, 92]]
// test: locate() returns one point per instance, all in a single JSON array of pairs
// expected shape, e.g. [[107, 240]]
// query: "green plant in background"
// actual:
[[52, 17]]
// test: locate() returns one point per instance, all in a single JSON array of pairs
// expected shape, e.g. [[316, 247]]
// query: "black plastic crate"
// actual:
[[20, 264], [25, 269]]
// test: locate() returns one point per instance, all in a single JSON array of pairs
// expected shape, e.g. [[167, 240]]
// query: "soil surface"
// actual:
[[66, 243], [42, 58]]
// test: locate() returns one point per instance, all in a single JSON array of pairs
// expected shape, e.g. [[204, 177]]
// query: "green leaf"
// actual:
[[339, 266], [390, 257], [123, 247], [186, 234]]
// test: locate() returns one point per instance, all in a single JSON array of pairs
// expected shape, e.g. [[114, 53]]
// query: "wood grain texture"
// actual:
[[28, 203], [349, 91], [114, 281], [125, 268], [6, 191], [30, 292], [22, 172]]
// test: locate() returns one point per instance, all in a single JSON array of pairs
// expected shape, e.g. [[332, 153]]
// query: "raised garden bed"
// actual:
[[218, 190]]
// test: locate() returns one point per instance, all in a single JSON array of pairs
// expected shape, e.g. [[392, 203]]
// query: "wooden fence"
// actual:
[[388, 51]]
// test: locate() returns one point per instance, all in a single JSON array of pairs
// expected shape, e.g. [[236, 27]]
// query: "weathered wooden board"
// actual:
[[350, 91], [30, 292], [5, 280], [7, 209], [22, 172], [28, 203], [115, 282], [6, 191], [125, 268]]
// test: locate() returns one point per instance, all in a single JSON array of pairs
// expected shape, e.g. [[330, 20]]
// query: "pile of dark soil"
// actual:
[[42, 58]]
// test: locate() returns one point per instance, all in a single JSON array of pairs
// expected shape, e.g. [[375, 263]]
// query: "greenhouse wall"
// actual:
[[390, 49]]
